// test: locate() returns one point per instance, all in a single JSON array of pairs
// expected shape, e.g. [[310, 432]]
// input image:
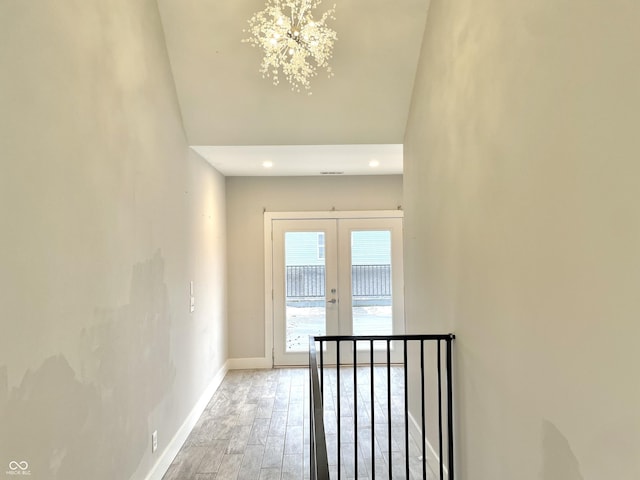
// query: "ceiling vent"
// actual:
[[331, 173]]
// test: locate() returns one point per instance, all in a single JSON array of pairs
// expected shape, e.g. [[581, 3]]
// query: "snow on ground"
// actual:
[[305, 321]]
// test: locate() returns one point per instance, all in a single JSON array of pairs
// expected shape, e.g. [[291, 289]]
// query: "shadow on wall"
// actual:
[[94, 424], [559, 462]]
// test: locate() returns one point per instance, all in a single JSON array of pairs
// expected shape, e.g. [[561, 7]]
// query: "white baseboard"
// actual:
[[433, 459], [169, 453], [249, 363]]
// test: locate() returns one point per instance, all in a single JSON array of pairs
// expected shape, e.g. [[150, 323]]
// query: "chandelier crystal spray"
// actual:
[[295, 45]]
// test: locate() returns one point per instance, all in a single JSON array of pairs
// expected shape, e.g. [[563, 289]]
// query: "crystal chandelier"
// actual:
[[295, 45]]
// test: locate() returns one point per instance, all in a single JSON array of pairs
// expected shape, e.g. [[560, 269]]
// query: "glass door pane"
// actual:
[[305, 283], [370, 278], [371, 286]]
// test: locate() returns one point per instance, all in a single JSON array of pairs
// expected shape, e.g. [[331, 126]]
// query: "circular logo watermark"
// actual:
[[18, 468]]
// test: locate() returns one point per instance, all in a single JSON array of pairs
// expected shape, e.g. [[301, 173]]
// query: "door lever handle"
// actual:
[[333, 300]]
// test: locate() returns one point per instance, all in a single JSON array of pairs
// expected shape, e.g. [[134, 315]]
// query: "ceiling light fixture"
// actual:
[[295, 45], [374, 163], [267, 164]]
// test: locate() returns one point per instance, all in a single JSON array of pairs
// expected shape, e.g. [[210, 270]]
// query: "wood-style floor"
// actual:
[[256, 427]]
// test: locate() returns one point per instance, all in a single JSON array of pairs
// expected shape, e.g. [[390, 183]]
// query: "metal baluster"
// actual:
[[389, 402], [355, 406], [406, 413], [373, 427], [424, 432], [322, 369], [440, 411], [338, 419], [312, 432]]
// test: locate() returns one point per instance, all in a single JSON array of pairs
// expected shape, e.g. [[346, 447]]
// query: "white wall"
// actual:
[[522, 230], [247, 199], [106, 216]]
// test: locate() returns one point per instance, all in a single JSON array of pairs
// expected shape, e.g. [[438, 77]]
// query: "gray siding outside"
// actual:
[[301, 248], [371, 247], [367, 248]]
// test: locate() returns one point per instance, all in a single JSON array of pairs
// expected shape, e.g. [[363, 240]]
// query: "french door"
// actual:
[[335, 276]]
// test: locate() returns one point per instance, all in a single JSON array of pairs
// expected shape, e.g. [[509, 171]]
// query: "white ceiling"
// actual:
[[225, 102], [304, 160]]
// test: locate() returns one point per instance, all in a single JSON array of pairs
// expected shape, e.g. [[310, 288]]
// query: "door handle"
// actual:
[[333, 300]]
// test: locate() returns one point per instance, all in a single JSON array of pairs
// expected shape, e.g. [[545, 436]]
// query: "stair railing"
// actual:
[[435, 380]]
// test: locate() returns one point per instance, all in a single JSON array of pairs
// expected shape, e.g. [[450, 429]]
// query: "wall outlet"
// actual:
[[154, 441]]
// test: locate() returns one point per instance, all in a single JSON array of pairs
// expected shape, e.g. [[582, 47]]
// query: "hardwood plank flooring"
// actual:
[[256, 427]]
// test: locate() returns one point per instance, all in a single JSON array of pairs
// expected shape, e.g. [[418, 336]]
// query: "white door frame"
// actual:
[[268, 255]]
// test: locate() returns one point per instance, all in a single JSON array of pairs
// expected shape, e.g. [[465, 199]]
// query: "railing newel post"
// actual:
[[450, 407]]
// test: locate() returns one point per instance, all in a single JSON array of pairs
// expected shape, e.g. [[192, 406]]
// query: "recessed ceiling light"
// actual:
[[374, 163], [267, 164]]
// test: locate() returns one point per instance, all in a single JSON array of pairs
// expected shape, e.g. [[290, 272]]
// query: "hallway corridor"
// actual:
[[253, 429], [256, 427]]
